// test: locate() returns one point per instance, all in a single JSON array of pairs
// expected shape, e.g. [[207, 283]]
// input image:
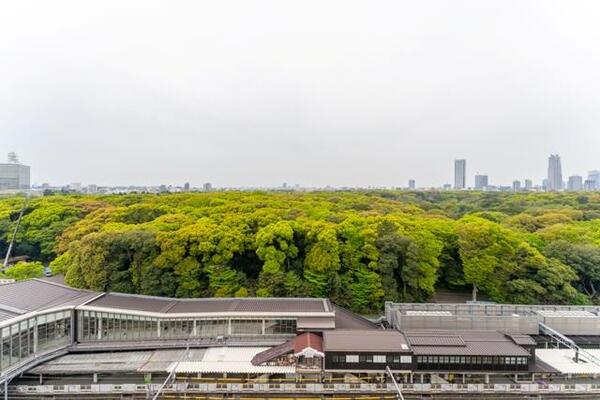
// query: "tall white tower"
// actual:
[[555, 180]]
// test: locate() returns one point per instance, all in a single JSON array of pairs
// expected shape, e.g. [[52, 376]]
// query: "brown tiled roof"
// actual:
[[436, 340], [364, 341], [273, 352], [308, 339], [214, 305], [474, 343], [523, 340]]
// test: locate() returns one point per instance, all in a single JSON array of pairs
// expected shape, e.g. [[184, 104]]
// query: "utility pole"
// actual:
[[14, 235], [172, 373], [399, 396]]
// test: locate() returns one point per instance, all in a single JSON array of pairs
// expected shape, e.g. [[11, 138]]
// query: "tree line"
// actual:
[[358, 248]]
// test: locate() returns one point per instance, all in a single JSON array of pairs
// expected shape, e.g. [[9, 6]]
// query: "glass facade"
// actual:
[[51, 331], [103, 326], [34, 335]]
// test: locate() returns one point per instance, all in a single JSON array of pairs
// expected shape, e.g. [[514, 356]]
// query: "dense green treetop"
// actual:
[[358, 248]]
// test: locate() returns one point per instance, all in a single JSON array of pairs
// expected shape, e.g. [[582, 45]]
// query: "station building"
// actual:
[[51, 331]]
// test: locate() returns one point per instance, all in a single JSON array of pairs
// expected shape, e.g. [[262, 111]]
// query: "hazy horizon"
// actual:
[[341, 93]]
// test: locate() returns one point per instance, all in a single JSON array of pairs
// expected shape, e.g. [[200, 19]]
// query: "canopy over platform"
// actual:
[[563, 360], [232, 360]]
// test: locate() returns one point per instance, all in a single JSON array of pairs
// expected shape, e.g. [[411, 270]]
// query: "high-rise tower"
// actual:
[[460, 174], [555, 180]]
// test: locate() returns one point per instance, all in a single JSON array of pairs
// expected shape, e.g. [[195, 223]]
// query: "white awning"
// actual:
[[309, 352], [233, 360]]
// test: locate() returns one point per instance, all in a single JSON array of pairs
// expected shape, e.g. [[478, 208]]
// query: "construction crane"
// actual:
[[14, 234]]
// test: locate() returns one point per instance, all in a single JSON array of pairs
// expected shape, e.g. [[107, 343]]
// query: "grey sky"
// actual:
[[311, 92]]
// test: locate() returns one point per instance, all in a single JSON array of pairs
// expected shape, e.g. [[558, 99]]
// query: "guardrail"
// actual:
[[309, 388], [31, 362]]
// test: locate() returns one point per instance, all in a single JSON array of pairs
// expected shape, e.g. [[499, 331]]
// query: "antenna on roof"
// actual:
[[13, 158]]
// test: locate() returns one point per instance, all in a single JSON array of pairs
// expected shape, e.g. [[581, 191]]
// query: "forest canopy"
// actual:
[[359, 248]]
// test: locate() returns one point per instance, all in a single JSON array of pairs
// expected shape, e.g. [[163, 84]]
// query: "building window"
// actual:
[[365, 358], [351, 358], [280, 326], [337, 358], [406, 359], [378, 358], [394, 359], [246, 326]]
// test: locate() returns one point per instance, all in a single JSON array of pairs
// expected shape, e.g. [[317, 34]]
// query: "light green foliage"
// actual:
[[24, 270], [358, 248]]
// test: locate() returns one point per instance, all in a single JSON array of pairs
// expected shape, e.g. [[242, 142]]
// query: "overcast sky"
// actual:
[[321, 92]]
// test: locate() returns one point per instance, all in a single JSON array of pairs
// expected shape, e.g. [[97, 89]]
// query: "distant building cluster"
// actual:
[[553, 182], [77, 187], [15, 176]]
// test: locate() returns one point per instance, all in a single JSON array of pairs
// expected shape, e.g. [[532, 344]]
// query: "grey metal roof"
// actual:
[[212, 305], [117, 362], [365, 341], [474, 343], [34, 295], [345, 319], [4, 314]]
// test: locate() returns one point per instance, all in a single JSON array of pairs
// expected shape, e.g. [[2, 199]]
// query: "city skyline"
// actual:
[[554, 181]]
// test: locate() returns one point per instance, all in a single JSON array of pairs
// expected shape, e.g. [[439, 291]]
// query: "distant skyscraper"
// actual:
[[594, 177], [186, 187], [575, 183], [589, 185], [411, 184], [528, 184], [460, 174], [481, 181], [14, 175], [555, 180], [207, 187], [516, 186]]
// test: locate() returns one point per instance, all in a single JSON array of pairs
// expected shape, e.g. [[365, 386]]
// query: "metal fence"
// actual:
[[315, 388]]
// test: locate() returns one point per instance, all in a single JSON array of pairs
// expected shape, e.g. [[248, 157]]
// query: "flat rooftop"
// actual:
[[566, 314], [563, 360], [116, 362], [234, 360]]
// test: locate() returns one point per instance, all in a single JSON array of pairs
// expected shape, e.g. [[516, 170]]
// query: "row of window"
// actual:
[[371, 358], [472, 360], [114, 326], [34, 335]]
